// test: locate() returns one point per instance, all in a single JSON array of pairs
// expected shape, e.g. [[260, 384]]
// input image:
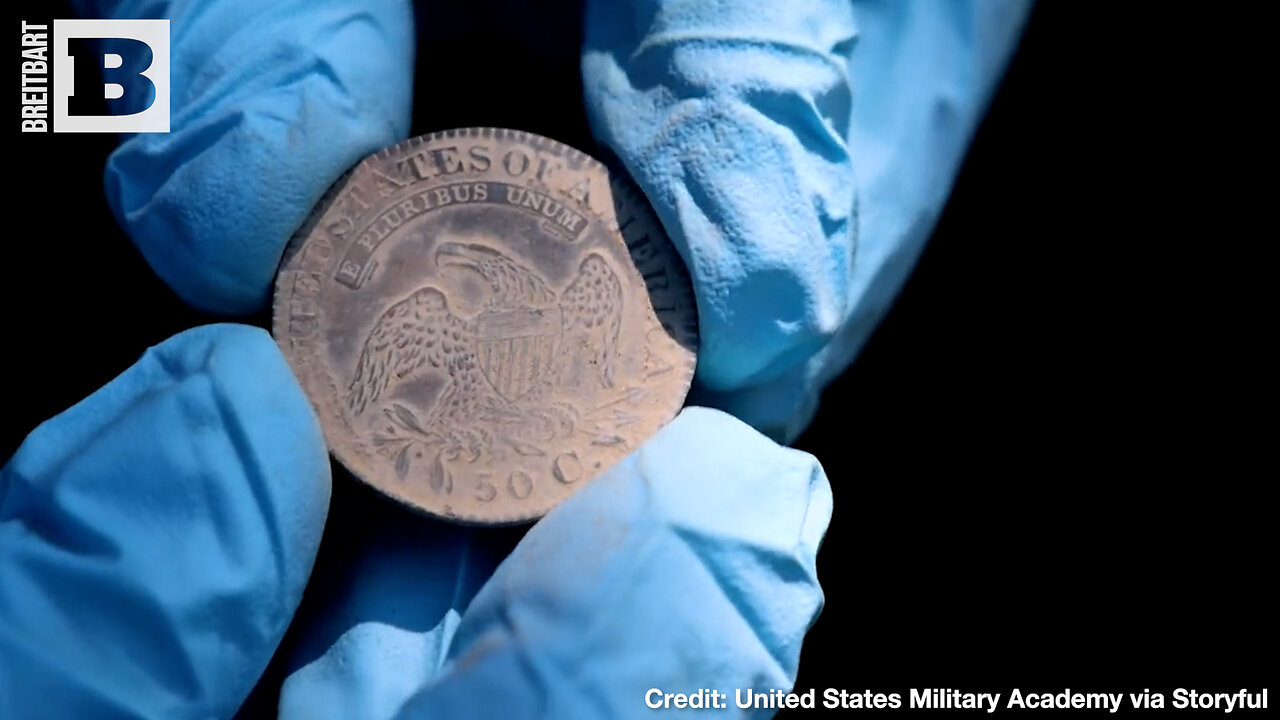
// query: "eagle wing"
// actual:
[[593, 301], [407, 336]]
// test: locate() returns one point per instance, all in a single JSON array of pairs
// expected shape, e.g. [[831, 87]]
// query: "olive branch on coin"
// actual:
[[407, 440]]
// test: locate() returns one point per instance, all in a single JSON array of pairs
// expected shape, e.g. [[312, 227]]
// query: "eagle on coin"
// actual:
[[495, 368]]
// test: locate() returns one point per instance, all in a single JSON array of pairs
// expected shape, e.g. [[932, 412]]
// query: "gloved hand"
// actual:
[[156, 538]]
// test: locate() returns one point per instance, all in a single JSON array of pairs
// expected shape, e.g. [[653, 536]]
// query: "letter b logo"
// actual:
[[124, 62]]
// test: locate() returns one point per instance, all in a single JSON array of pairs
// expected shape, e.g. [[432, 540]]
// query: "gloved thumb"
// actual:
[[155, 539]]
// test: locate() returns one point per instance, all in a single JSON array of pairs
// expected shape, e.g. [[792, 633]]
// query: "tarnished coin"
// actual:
[[485, 320]]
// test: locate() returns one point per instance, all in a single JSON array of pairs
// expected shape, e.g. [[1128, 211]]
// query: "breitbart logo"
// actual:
[[108, 76]]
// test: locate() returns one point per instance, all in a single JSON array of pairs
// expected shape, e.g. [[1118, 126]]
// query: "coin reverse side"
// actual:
[[485, 320]]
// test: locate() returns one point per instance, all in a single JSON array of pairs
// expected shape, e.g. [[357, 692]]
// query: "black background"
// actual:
[[1048, 463]]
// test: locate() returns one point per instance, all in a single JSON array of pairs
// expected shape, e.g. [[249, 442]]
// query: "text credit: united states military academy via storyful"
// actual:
[[947, 699]]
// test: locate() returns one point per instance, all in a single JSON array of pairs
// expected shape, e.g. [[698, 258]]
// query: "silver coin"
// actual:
[[485, 320]]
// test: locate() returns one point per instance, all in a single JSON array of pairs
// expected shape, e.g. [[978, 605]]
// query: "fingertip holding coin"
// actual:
[[485, 320]]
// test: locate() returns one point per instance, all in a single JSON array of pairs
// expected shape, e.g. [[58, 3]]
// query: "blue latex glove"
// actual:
[[799, 154], [154, 540]]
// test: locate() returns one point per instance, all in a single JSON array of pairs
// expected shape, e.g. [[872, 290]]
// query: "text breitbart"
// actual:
[[35, 78], [946, 699]]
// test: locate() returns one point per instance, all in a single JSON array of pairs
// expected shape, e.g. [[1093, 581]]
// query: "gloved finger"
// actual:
[[381, 609], [155, 539], [799, 155], [271, 102], [690, 565]]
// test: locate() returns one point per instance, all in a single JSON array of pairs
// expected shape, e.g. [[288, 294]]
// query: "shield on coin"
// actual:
[[517, 348]]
